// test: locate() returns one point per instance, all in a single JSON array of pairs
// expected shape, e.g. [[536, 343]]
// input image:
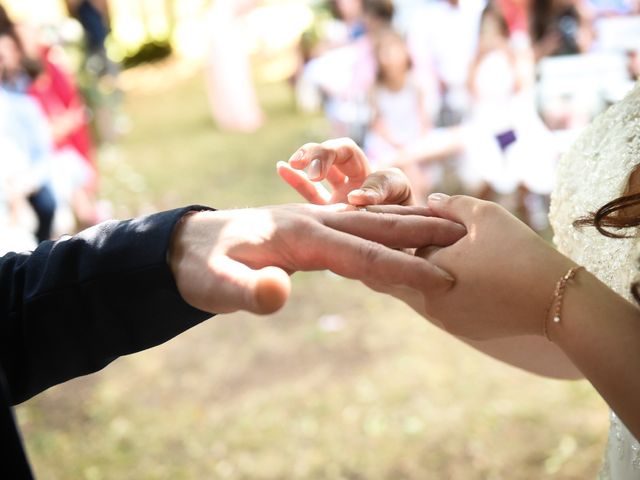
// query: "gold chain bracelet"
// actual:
[[556, 301]]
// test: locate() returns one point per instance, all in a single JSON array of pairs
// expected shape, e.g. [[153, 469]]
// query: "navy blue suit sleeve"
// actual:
[[72, 306]]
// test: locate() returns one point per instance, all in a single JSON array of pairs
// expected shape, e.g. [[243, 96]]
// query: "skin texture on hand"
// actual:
[[232, 260], [345, 167], [505, 273]]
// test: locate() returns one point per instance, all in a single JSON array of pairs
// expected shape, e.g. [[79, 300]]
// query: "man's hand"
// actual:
[[240, 259], [344, 165]]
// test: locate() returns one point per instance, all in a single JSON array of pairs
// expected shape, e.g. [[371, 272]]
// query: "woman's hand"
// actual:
[[346, 168], [505, 273]]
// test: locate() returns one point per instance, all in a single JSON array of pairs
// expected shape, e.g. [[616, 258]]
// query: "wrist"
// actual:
[[179, 238], [554, 313], [587, 302], [543, 291]]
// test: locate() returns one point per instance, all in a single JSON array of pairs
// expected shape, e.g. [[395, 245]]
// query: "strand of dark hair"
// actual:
[[622, 212]]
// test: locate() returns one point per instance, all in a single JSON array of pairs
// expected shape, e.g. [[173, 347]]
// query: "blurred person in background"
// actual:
[[339, 25], [349, 24], [343, 76], [561, 27], [15, 212], [633, 64], [94, 17], [610, 8], [562, 33], [102, 91], [516, 14], [229, 81], [399, 116], [493, 83], [22, 121], [73, 173], [508, 151], [442, 38]]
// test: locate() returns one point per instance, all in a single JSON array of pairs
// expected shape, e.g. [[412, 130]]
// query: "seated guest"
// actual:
[[74, 174], [23, 122]]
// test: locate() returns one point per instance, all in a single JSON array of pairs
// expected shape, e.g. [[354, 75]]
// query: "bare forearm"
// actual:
[[533, 354], [600, 332]]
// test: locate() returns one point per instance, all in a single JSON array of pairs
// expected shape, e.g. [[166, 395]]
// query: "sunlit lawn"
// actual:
[[341, 384]]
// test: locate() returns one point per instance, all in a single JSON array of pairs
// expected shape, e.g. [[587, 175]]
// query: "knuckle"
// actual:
[[343, 147], [389, 221], [488, 209], [370, 253], [303, 224]]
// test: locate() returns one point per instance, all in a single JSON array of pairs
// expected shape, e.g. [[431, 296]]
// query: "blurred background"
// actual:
[[123, 107]]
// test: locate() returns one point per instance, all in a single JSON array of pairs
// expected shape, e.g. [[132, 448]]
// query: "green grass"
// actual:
[[385, 396]]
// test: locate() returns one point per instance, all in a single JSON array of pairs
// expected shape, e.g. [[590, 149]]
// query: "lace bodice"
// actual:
[[594, 171]]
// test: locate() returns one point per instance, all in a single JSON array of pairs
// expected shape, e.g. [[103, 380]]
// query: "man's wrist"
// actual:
[[175, 246]]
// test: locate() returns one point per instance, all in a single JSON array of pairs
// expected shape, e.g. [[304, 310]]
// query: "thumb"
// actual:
[[239, 287], [459, 208], [272, 288], [389, 187]]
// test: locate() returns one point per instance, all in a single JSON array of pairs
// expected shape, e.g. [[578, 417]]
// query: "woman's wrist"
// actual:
[[600, 333], [553, 315], [589, 312], [545, 290]]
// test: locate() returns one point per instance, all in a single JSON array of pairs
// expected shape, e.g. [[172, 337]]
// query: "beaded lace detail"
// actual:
[[595, 171]]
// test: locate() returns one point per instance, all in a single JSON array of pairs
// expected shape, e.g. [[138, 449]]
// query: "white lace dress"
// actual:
[[594, 171]]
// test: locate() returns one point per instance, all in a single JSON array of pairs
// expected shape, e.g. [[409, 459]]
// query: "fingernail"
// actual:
[[297, 156], [364, 193], [438, 197], [357, 193], [315, 169], [445, 274]]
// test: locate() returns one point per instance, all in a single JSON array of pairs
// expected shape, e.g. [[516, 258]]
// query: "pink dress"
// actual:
[[232, 95]]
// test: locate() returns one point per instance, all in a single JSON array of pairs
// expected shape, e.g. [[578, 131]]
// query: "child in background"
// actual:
[[399, 114], [341, 77], [508, 148], [493, 83]]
